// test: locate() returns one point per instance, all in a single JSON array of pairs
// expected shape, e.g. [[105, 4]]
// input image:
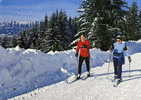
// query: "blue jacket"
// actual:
[[119, 47], [118, 53]]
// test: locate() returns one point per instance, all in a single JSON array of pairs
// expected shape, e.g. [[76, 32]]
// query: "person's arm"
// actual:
[[125, 48], [129, 59], [111, 48], [77, 49], [86, 45], [92, 44], [89, 45]]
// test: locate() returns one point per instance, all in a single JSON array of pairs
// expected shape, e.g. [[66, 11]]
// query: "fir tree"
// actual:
[[133, 22], [56, 38], [139, 25], [99, 18]]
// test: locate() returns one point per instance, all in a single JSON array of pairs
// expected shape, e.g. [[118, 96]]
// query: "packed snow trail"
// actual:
[[98, 87]]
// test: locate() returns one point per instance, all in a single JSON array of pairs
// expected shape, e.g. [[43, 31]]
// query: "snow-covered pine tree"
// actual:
[[27, 38], [53, 33], [64, 31], [87, 15], [73, 27], [56, 37], [44, 24], [99, 18], [140, 25], [133, 22]]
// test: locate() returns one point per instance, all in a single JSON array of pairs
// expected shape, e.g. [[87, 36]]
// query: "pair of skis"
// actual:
[[74, 78]]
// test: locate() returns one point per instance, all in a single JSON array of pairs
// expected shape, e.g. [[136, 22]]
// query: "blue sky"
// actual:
[[24, 10], [35, 9]]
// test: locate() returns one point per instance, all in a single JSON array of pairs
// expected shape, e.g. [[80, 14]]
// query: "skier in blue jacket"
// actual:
[[119, 48]]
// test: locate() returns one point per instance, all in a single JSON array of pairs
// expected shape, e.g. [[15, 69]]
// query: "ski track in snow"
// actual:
[[23, 71]]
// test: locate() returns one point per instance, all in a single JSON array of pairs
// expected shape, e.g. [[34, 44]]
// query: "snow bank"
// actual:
[[134, 47], [22, 70], [97, 87]]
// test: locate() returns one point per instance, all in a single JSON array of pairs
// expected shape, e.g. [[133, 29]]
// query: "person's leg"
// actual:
[[115, 62], [87, 61], [120, 63], [80, 66], [120, 72]]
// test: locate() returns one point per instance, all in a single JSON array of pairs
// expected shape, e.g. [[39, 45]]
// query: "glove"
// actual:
[[84, 46], [76, 55], [129, 58], [125, 48]]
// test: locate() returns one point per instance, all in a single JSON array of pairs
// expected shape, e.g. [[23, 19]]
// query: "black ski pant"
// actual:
[[117, 69], [87, 61]]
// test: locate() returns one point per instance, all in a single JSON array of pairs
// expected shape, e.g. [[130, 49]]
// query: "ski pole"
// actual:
[[77, 61], [110, 57], [108, 64], [129, 59], [129, 69]]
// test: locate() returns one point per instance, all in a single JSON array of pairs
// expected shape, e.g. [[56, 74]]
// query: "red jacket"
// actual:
[[83, 48]]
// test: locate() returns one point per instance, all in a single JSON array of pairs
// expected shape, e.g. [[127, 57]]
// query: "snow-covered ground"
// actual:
[[98, 87], [22, 71]]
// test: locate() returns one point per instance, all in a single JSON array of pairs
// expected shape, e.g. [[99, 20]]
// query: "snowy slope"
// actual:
[[22, 71], [98, 87]]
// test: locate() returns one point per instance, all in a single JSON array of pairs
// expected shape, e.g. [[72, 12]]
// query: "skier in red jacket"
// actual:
[[82, 51]]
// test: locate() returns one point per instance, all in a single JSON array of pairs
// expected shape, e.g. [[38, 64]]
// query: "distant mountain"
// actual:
[[13, 27]]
